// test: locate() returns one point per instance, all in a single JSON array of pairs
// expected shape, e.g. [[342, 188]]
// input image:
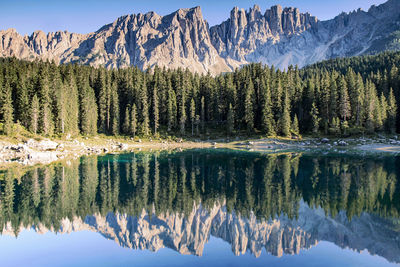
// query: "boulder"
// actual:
[[324, 140], [342, 143], [46, 145]]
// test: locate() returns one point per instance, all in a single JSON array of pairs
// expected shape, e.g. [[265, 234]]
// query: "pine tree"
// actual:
[[88, 110], [127, 120], [249, 113], [22, 105], [285, 116], [45, 117], [267, 118], [144, 110], [171, 108], [72, 104], [7, 110], [230, 120], [192, 114], [315, 119], [156, 115], [391, 112], [182, 109], [133, 121], [344, 102], [114, 110], [34, 115], [295, 125], [59, 102], [359, 100], [103, 90], [203, 112], [335, 126], [333, 98]]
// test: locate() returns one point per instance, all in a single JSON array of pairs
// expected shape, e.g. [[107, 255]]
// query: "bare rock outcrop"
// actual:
[[279, 36]]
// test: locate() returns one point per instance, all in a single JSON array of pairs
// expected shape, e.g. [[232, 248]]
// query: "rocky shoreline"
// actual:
[[45, 151], [32, 152], [359, 145]]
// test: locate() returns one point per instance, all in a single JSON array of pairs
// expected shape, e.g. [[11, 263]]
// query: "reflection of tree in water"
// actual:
[[266, 185]]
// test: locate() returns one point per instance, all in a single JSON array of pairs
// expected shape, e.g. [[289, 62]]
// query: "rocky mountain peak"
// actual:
[[279, 36]]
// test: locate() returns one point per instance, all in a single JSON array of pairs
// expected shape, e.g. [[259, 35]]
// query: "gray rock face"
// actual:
[[279, 36]]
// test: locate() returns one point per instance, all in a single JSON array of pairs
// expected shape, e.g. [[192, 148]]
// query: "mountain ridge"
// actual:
[[279, 36]]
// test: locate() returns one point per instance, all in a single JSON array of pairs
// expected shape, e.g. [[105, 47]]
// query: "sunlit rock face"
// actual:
[[279, 36]]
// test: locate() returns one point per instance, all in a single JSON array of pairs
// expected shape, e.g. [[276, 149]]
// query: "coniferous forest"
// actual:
[[339, 97]]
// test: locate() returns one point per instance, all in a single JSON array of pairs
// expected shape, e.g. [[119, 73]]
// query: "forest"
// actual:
[[340, 97]]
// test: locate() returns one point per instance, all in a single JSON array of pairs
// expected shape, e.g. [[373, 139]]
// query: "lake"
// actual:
[[203, 207]]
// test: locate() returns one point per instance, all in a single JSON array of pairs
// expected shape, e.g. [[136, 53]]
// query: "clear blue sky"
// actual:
[[83, 16]]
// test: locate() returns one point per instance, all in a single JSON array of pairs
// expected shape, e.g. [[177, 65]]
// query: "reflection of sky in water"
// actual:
[[87, 248]]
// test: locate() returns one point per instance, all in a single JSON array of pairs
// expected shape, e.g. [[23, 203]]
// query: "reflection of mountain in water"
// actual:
[[189, 234], [266, 201]]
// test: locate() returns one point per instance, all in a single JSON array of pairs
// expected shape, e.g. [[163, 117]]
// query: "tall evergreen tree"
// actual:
[[344, 102], [7, 110], [391, 112], [192, 114], [249, 112], [88, 110], [114, 111], [267, 117], [144, 110], [22, 103], [285, 116], [295, 125], [315, 119], [133, 122], [34, 115], [156, 115], [230, 120]]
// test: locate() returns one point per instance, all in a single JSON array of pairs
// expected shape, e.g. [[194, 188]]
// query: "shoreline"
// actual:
[[45, 151]]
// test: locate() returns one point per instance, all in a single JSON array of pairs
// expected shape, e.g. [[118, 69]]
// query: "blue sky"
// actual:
[[83, 16]]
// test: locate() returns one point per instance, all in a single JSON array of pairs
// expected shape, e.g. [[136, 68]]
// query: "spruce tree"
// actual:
[[171, 108], [156, 115], [144, 110], [391, 112], [114, 110], [315, 119], [72, 104], [88, 110], [133, 121], [192, 114], [344, 102], [203, 113], [182, 110], [285, 116], [267, 118], [103, 101], [127, 120], [249, 113], [7, 110], [295, 125], [45, 117], [230, 120], [22, 105], [34, 115]]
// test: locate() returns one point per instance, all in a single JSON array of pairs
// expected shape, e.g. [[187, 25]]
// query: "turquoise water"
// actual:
[[203, 207]]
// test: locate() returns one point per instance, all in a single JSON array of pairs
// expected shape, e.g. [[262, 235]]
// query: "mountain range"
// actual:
[[279, 36]]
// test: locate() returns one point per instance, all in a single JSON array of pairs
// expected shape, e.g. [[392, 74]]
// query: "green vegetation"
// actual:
[[338, 97], [268, 185]]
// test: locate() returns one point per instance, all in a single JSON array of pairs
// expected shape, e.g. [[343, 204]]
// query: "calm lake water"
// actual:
[[203, 207]]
